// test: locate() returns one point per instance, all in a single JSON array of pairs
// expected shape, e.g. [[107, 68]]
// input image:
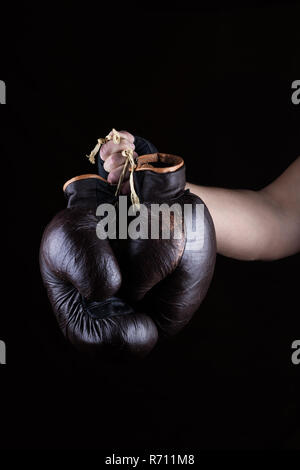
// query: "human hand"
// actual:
[[111, 154]]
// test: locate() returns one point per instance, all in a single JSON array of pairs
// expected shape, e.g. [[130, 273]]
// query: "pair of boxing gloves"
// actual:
[[118, 296]]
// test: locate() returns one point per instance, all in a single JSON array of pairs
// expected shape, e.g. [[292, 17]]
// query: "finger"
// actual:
[[115, 174], [109, 148], [114, 161], [125, 135]]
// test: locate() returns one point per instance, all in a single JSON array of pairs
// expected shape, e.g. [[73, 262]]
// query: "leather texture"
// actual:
[[120, 296], [82, 277], [161, 277], [168, 280]]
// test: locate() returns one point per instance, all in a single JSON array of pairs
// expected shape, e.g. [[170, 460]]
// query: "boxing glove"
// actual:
[[83, 278], [168, 278]]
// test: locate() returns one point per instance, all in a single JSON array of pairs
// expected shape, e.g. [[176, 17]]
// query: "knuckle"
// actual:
[[128, 136]]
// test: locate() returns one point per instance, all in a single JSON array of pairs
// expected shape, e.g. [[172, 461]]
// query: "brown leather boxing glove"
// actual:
[[82, 277], [168, 278]]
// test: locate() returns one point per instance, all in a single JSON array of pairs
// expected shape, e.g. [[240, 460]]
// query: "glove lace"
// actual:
[[129, 161], [113, 135]]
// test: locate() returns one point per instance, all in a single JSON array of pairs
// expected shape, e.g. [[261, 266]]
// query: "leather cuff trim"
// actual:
[[82, 177], [174, 162]]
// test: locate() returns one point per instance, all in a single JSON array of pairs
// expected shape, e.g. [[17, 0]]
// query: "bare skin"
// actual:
[[113, 159], [250, 225], [257, 225]]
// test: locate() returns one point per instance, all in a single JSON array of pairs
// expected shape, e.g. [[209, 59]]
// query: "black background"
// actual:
[[211, 84]]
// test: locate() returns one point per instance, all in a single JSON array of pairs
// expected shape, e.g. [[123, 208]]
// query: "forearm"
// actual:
[[249, 225]]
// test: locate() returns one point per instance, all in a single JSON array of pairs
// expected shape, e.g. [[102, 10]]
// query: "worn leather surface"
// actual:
[[120, 295], [169, 280], [82, 278], [88, 192]]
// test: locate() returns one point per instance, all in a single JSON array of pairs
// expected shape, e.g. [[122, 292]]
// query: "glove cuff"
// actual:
[[81, 177], [159, 177], [159, 163], [88, 191]]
